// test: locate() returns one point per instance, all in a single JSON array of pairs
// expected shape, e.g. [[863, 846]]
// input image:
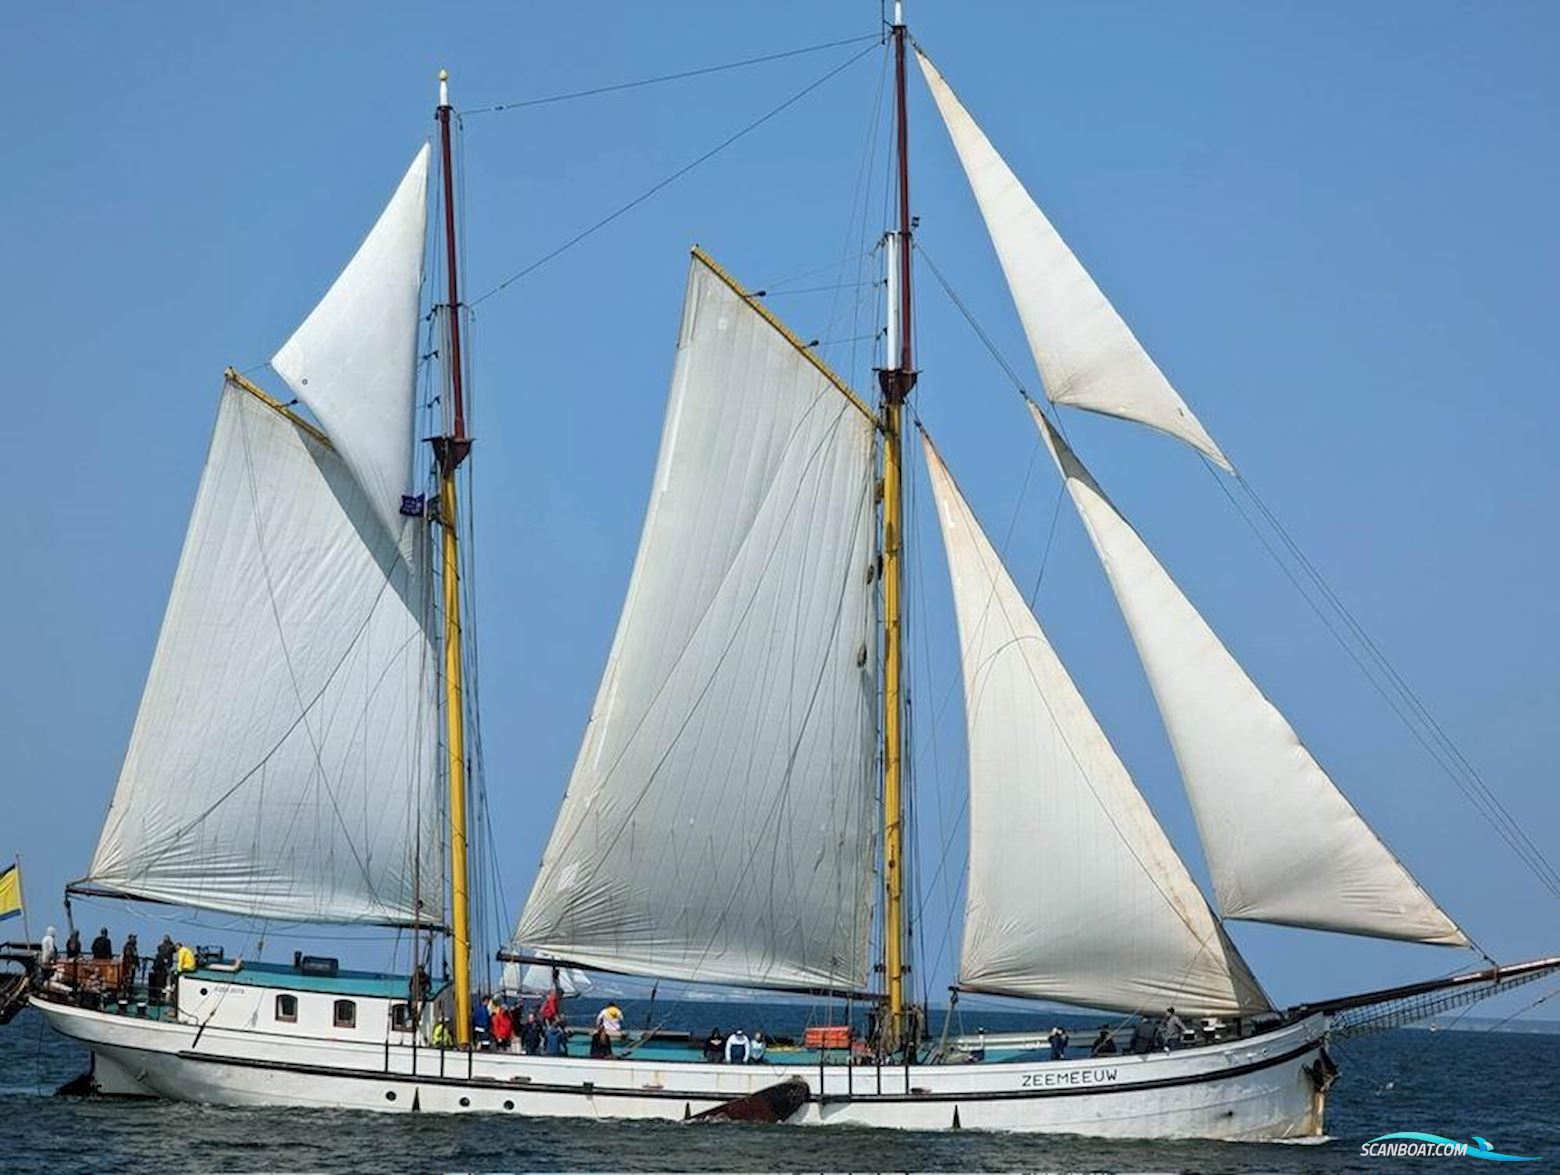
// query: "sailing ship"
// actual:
[[300, 752]]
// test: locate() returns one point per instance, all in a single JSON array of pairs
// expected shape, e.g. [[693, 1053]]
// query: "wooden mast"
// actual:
[[450, 451], [896, 380]]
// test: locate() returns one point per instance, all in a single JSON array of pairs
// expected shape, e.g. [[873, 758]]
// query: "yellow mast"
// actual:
[[896, 379], [893, 739], [451, 451]]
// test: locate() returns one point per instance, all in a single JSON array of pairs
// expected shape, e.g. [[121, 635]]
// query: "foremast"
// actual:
[[896, 380], [450, 450]]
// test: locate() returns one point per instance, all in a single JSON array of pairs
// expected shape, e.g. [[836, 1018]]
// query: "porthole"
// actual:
[[464, 1102], [509, 1105], [203, 991], [389, 1095]]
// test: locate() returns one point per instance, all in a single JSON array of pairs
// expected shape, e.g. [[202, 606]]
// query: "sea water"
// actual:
[[1503, 1087]]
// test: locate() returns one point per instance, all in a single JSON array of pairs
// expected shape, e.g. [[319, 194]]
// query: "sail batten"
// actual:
[[353, 360], [716, 826], [1087, 354], [282, 760], [1284, 845], [1075, 894]]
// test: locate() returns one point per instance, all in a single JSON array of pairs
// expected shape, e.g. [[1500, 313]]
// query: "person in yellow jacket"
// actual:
[[185, 959], [443, 1038]]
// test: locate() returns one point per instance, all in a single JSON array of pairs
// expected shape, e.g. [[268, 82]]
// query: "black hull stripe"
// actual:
[[577, 1090]]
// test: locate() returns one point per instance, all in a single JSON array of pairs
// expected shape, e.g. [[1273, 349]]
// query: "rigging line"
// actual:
[[774, 286], [1541, 999], [1413, 701], [672, 178], [1485, 804], [969, 317], [836, 287], [681, 75], [1050, 537]]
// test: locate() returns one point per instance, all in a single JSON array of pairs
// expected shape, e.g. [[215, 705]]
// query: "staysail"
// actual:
[[717, 825], [1283, 843], [282, 763], [1075, 893], [353, 360], [1087, 355]]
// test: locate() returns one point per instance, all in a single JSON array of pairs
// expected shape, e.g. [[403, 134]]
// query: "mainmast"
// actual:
[[450, 450], [896, 379]]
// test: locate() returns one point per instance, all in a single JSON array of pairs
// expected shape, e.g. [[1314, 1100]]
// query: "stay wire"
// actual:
[[667, 181], [1399, 699], [969, 317], [702, 71]]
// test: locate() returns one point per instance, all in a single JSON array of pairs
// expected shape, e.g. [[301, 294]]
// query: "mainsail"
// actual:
[[717, 825], [282, 762], [353, 360], [1283, 843], [1087, 355], [1075, 894]]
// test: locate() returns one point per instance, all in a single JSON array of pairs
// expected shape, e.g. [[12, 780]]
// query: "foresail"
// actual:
[[717, 823], [282, 764], [1283, 844], [1075, 894], [353, 361], [1087, 355]]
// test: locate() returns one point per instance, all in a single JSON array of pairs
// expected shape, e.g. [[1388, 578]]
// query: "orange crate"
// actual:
[[827, 1037]]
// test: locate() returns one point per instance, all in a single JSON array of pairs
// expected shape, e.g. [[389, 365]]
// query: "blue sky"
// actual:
[[1332, 224]]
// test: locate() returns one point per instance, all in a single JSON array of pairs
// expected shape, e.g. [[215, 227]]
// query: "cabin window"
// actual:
[[401, 1017], [346, 1014], [287, 1009]]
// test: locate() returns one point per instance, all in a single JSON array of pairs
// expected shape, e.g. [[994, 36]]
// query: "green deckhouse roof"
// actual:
[[284, 975]]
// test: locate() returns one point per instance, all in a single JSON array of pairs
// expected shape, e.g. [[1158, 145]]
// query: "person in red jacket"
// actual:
[[549, 1011], [502, 1026]]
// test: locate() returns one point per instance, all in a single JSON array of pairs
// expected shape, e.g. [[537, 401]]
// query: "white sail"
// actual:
[[282, 762], [1283, 843], [1075, 894], [717, 823], [1087, 355], [534, 979], [353, 361]]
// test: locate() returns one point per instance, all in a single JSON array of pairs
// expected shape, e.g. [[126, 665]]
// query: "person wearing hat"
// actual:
[[1058, 1042], [443, 1036], [610, 1020]]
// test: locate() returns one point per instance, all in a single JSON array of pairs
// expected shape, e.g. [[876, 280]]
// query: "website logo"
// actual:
[[1406, 1144]]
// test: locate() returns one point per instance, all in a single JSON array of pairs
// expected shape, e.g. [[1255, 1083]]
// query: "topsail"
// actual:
[[353, 361], [717, 825], [1088, 356], [1283, 843]]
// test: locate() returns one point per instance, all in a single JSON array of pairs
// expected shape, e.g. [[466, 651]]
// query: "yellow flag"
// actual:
[[10, 892]]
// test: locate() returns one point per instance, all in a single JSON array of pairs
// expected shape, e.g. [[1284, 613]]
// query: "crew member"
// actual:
[[737, 1048], [1058, 1041], [1104, 1044], [610, 1018]]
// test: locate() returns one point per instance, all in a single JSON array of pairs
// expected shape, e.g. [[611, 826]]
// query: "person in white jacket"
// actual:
[[737, 1048]]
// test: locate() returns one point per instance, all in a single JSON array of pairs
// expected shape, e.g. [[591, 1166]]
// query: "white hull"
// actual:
[[1256, 1089]]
